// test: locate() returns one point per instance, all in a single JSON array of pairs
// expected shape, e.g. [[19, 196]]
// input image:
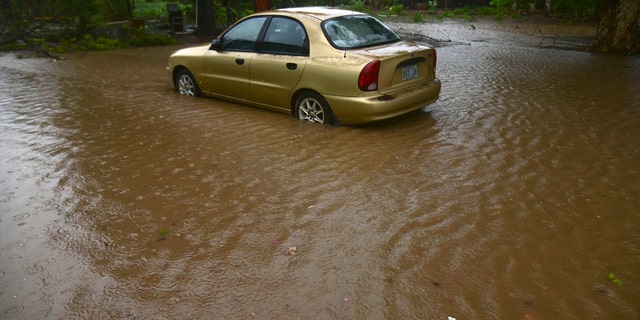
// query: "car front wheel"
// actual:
[[312, 107], [186, 84]]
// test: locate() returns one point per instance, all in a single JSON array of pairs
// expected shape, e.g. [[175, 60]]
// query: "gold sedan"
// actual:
[[322, 65]]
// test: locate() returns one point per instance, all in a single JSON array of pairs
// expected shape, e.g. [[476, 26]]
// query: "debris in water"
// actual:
[[615, 279], [291, 251]]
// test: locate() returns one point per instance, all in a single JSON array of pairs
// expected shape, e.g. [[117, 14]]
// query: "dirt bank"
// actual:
[[530, 31]]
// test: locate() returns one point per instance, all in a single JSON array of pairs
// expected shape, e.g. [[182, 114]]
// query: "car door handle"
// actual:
[[291, 66], [240, 61]]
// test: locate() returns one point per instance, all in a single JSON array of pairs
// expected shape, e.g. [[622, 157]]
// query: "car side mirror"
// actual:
[[216, 44]]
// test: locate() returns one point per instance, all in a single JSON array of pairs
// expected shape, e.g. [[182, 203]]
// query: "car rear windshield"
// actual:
[[357, 31]]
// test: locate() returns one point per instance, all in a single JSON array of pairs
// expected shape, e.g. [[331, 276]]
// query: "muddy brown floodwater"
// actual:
[[515, 196]]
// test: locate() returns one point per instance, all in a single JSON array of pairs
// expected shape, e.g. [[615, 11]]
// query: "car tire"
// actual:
[[312, 107], [186, 84]]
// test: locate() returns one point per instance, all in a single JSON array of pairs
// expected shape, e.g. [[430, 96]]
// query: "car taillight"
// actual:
[[368, 80], [435, 58]]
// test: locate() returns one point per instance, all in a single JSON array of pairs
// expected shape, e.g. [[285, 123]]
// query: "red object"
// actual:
[[368, 80]]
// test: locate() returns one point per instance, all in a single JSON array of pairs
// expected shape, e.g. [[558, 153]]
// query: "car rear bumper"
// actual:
[[358, 110]]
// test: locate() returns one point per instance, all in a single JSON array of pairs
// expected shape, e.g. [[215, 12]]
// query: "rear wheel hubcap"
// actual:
[[311, 110]]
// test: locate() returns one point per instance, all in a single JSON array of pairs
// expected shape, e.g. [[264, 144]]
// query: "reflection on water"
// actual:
[[515, 196]]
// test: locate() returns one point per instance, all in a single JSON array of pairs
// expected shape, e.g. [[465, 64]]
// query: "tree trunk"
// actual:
[[206, 18], [618, 29], [6, 22], [262, 5], [547, 7]]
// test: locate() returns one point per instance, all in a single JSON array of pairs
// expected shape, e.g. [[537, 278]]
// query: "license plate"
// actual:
[[409, 72]]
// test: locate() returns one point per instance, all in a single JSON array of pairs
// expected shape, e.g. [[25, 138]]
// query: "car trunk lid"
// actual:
[[402, 65]]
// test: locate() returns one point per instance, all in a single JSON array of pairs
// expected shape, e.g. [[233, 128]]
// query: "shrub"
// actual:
[[417, 17], [485, 11], [397, 10], [432, 6]]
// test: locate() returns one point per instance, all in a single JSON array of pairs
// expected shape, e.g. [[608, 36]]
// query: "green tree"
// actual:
[[27, 19]]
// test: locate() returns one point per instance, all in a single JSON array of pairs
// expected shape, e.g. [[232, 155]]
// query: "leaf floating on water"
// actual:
[[615, 279]]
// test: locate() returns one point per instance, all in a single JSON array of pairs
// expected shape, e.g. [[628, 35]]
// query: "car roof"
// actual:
[[320, 13]]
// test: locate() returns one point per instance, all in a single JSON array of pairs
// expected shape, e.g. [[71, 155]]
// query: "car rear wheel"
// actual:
[[186, 84], [312, 107]]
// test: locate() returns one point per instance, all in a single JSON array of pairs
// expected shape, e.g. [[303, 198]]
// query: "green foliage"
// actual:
[[397, 10], [503, 6], [115, 10], [382, 4], [461, 10], [55, 48], [78, 16], [417, 17], [466, 13], [100, 43], [432, 6], [468, 17], [139, 37], [158, 9], [472, 11], [449, 14], [53, 27], [359, 5], [306, 3], [22, 18], [485, 11], [149, 12], [577, 9], [370, 6]]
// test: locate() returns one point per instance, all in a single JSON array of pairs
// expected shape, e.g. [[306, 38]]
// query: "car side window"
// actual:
[[285, 36], [243, 36]]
